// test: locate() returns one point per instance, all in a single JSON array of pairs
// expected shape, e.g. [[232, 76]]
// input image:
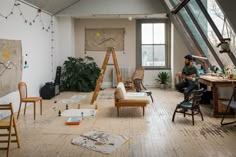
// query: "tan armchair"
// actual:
[[129, 99]]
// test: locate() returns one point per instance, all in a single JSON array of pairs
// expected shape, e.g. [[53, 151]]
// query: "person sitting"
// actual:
[[190, 77]]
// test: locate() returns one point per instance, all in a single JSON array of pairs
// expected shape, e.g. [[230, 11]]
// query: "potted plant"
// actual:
[[163, 78], [79, 74]]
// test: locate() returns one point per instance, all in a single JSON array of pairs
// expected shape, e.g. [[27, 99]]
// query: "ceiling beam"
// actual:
[[179, 6]]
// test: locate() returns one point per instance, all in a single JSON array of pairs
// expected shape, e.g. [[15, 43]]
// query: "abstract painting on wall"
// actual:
[[101, 39], [10, 65]]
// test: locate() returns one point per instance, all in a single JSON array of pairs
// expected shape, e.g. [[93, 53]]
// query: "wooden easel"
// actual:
[[104, 66]]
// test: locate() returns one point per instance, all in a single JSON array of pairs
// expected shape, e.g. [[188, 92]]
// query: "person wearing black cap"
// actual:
[[190, 77]]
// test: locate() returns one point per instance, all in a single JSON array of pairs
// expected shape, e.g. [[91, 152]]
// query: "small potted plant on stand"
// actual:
[[163, 78]]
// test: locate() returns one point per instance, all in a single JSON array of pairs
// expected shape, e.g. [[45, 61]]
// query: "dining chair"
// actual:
[[25, 99]]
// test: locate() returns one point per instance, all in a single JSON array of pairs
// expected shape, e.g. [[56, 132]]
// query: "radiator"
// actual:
[[124, 71]]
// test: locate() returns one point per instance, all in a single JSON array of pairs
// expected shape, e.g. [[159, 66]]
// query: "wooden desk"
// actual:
[[216, 82]]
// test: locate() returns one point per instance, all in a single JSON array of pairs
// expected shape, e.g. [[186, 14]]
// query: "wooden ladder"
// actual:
[[110, 51]]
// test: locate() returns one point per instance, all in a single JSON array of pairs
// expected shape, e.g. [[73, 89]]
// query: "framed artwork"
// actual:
[[101, 39], [10, 65]]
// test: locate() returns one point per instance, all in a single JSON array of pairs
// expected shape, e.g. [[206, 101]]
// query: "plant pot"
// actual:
[[163, 86]]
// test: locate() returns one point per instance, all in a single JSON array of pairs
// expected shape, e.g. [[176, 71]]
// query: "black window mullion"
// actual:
[[204, 36], [214, 27], [188, 31], [179, 6]]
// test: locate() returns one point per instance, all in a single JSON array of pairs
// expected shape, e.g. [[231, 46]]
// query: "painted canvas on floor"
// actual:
[[100, 141], [10, 65]]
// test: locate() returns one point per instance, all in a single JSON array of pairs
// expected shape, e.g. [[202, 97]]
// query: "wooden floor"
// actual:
[[153, 135]]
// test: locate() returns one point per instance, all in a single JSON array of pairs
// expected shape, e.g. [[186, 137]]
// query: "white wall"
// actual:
[[65, 35], [128, 57], [35, 42], [178, 51], [116, 7], [125, 58]]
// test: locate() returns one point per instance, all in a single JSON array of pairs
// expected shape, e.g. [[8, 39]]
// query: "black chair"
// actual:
[[138, 84], [191, 103]]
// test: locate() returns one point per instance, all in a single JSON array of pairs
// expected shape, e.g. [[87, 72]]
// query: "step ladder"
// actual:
[[110, 51]]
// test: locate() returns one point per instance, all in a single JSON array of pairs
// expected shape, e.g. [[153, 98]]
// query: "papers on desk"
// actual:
[[214, 78], [135, 94]]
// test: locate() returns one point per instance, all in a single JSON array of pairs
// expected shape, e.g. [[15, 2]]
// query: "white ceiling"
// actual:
[[102, 8], [52, 6]]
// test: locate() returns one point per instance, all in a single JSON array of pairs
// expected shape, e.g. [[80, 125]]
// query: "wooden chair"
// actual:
[[137, 79], [191, 103], [7, 125], [24, 98]]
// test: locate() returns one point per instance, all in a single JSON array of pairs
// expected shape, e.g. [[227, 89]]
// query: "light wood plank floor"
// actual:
[[153, 135]]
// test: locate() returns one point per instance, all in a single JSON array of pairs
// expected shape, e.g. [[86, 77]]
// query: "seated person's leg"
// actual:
[[189, 89], [180, 86]]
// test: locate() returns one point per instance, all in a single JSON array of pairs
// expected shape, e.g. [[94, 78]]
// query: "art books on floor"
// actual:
[[100, 141], [74, 121]]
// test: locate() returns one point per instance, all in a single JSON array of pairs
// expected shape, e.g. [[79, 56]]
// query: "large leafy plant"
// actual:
[[163, 77], [80, 74]]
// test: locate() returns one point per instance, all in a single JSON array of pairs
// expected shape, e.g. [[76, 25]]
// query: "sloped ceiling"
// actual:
[[79, 8], [114, 7], [228, 8], [52, 6]]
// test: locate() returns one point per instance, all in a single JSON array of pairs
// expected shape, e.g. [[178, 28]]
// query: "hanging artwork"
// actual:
[[10, 65], [101, 39]]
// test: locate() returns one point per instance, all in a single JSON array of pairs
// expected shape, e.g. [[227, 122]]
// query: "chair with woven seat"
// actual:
[[137, 79], [191, 103], [8, 124], [25, 99]]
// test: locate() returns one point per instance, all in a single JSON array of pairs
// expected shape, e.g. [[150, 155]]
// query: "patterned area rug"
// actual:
[[73, 99], [106, 96], [100, 141]]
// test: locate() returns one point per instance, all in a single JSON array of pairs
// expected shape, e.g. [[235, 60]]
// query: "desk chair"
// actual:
[[191, 103], [7, 125], [24, 98]]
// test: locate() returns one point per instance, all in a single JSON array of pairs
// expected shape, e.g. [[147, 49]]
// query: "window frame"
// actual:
[[139, 44]]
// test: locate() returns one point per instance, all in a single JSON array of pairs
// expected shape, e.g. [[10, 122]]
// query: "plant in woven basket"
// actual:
[[79, 74]]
